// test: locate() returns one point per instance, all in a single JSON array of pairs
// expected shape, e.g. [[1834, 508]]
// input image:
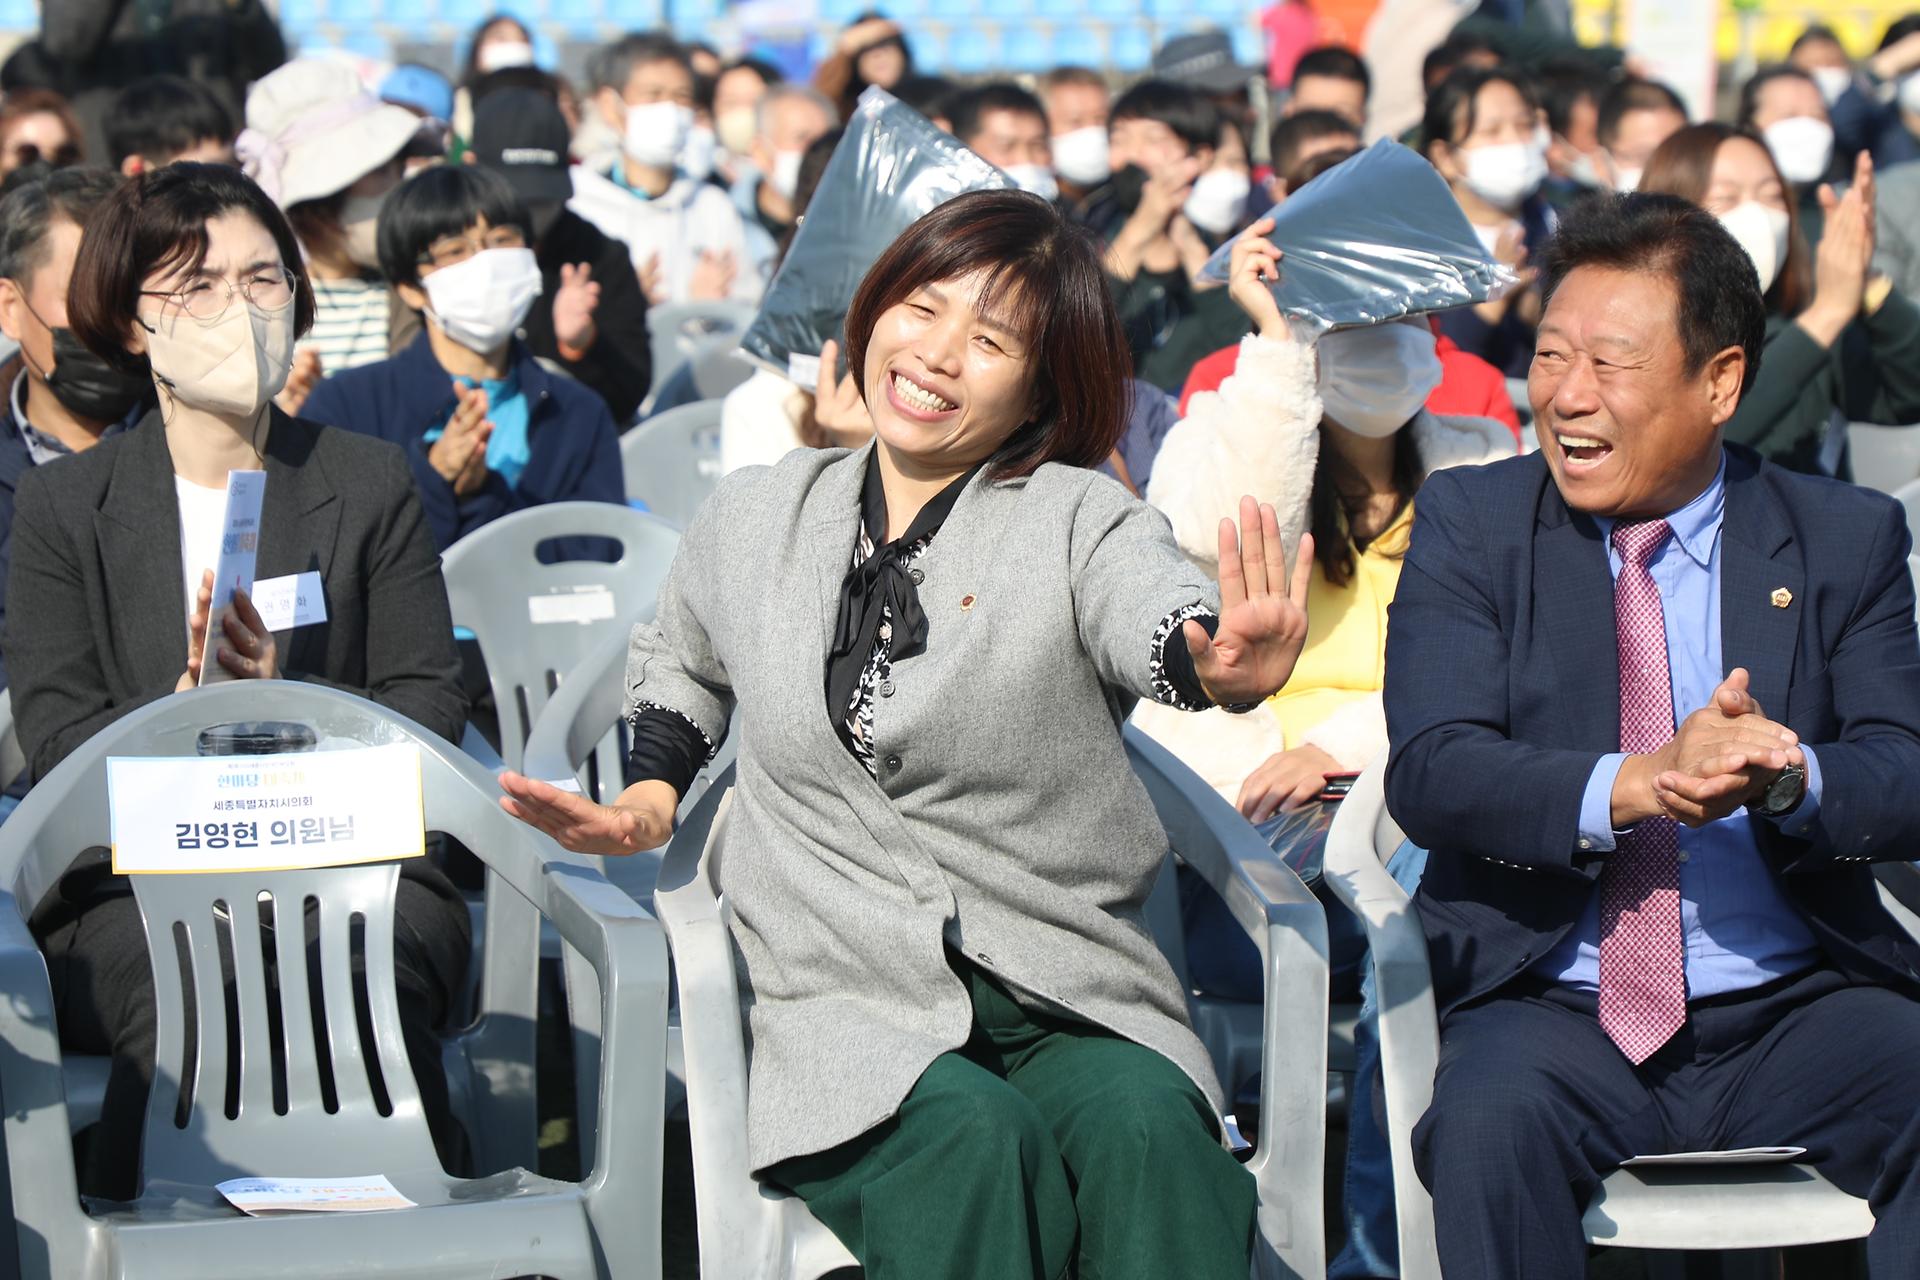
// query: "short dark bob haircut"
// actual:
[[1453, 108], [157, 223], [437, 202], [1716, 288], [1045, 272]]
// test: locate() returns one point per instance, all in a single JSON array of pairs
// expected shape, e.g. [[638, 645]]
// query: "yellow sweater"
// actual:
[[1346, 653]]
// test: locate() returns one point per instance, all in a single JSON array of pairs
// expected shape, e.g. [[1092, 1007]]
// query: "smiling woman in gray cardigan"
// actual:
[[967, 1055]]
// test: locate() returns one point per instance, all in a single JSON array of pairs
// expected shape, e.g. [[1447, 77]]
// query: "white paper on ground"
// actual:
[[1740, 1155], [289, 601], [581, 605], [265, 813], [233, 568], [312, 1195]]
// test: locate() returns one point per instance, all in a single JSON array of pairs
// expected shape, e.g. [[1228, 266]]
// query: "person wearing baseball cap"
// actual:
[[328, 152], [598, 335]]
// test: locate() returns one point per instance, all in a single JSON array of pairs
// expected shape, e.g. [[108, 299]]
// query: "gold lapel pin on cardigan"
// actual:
[[966, 602], [1782, 597]]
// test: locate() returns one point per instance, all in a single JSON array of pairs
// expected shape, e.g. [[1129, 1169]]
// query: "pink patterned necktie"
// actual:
[[1643, 986]]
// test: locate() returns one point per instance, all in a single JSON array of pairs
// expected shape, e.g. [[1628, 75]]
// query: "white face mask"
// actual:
[[1036, 179], [1833, 82], [360, 220], [1802, 146], [736, 128], [230, 366], [1218, 198], [1506, 173], [656, 132], [501, 54], [696, 154], [1373, 380], [1762, 232], [1080, 155], [480, 302], [1910, 92], [785, 177]]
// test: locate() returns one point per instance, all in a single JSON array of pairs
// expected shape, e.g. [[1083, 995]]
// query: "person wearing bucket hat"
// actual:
[[591, 318], [1204, 60], [328, 152], [684, 234]]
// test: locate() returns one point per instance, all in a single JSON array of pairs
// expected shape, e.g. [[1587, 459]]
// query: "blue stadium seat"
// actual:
[[840, 12], [369, 44], [353, 15], [1136, 10], [929, 51], [1017, 16], [1131, 50], [1025, 47], [1250, 46], [20, 15], [1079, 45], [973, 51], [634, 15], [465, 15], [297, 17]]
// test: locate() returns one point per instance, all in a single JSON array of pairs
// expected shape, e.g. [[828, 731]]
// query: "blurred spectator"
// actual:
[[929, 95], [1204, 60], [1006, 126], [1818, 52], [1301, 137], [685, 236], [487, 430], [1636, 116], [328, 153], [162, 119], [37, 126], [1077, 103], [1482, 133], [1333, 79], [60, 398], [591, 319], [1897, 238], [1570, 94], [870, 51], [429, 95], [1784, 105], [790, 118], [1291, 28], [186, 276], [769, 416], [89, 50], [1892, 119], [1461, 49], [737, 91], [700, 151], [1217, 206], [1842, 343], [705, 60], [499, 42]]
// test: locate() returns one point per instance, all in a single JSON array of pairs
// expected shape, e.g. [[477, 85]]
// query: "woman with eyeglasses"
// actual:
[[487, 429], [183, 275]]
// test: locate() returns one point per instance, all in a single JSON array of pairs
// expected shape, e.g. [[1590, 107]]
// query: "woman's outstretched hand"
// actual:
[[641, 819], [1263, 611]]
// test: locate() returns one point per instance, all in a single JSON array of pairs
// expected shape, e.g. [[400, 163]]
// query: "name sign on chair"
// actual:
[[265, 813]]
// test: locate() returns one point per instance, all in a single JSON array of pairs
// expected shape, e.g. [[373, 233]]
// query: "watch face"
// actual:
[[1785, 791]]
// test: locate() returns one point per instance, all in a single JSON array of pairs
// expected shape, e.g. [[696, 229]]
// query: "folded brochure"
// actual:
[[312, 1195], [1740, 1155]]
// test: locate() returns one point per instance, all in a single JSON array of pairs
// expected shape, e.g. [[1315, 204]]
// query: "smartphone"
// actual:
[[256, 738], [1338, 784]]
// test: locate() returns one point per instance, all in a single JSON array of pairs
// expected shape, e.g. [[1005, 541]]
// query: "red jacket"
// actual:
[[1469, 386]]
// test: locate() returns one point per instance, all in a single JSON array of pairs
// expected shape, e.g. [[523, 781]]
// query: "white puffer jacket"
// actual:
[[1259, 434]]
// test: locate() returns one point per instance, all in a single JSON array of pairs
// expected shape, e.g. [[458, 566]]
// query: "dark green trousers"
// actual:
[[1045, 1148]]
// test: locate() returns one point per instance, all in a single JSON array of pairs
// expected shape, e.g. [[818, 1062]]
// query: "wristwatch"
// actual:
[[1784, 793]]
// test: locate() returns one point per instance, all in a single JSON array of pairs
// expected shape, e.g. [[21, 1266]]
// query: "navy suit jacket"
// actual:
[[1503, 691]]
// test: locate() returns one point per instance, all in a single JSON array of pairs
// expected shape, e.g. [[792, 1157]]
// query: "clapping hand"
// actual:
[[1263, 611], [302, 378], [574, 303], [460, 454], [641, 819], [1844, 262], [1723, 757]]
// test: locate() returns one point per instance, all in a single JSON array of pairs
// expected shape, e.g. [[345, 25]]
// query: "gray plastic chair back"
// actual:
[[1908, 496], [1522, 406], [1699, 1208], [750, 1230], [13, 761], [1884, 458], [717, 372], [492, 1071], [278, 1097], [672, 460], [682, 331], [495, 584]]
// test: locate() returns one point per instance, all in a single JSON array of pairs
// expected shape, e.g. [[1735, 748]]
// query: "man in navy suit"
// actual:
[[1655, 708]]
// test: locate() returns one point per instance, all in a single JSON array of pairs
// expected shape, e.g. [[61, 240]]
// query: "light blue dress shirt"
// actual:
[[1739, 927]]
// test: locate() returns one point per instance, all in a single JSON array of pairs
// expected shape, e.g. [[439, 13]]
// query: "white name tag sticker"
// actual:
[[580, 605], [293, 600], [265, 813]]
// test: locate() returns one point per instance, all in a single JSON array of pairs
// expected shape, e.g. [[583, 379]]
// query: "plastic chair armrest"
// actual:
[[39, 1149], [1901, 882]]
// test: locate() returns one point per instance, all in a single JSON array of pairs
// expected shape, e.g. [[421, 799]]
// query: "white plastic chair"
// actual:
[[13, 761], [1908, 496], [749, 1231], [672, 460], [1749, 1207], [680, 332], [535, 621], [1884, 458], [510, 1223]]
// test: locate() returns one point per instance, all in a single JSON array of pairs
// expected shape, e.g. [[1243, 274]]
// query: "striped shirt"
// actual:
[[350, 323]]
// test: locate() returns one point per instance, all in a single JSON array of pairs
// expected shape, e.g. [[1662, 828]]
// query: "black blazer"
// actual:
[[96, 615], [1503, 691]]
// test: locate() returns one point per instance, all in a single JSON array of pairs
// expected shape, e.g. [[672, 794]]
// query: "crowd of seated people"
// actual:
[[422, 303]]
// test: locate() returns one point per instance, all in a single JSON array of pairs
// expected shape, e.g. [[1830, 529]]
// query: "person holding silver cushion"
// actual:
[[968, 1057], [183, 275]]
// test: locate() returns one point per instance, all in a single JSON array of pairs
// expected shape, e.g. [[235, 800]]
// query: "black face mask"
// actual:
[[87, 385], [1128, 185]]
